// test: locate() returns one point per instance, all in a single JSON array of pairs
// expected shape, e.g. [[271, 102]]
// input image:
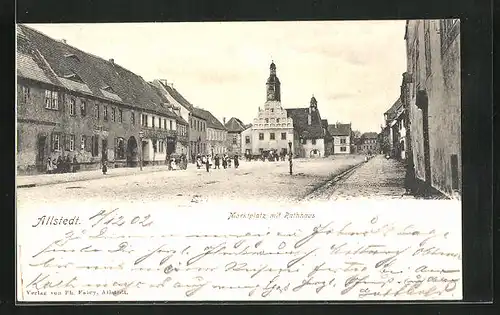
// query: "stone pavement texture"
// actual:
[[379, 178], [253, 182], [51, 179]]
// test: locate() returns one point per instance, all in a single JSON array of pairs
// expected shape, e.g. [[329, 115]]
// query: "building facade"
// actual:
[[197, 133], [74, 105], [272, 129], [308, 130], [234, 129], [432, 83], [328, 138], [368, 143], [216, 133], [341, 138], [182, 108]]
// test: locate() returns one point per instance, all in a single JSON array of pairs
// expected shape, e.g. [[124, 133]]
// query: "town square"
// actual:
[[91, 129]]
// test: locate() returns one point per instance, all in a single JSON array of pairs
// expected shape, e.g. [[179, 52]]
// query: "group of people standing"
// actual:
[[63, 164], [216, 161]]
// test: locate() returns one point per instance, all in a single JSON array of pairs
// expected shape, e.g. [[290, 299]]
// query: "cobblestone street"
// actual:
[[378, 178], [255, 181]]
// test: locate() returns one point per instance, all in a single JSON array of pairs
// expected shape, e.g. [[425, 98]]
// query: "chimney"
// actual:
[[224, 120], [112, 61], [63, 40], [309, 116]]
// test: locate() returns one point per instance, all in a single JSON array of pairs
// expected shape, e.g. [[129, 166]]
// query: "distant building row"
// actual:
[[423, 127], [71, 103], [276, 129]]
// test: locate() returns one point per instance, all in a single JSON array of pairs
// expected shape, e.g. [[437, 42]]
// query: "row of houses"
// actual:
[[423, 126], [78, 106]]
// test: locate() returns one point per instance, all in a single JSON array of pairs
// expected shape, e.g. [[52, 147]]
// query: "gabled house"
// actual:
[[234, 129], [77, 106], [309, 133], [341, 138], [216, 133]]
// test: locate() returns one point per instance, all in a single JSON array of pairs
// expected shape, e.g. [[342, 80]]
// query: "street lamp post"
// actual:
[[290, 156], [141, 135]]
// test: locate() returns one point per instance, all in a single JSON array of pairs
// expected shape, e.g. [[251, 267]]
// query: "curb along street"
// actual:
[[319, 191]]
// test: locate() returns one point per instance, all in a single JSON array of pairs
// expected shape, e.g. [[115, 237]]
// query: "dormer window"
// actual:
[[109, 89], [73, 77], [72, 56]]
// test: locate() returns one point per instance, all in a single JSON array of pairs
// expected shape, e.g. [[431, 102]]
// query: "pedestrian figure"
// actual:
[[207, 163], [59, 164], [217, 161], [236, 161], [69, 168], [224, 162], [75, 164], [49, 166], [104, 165]]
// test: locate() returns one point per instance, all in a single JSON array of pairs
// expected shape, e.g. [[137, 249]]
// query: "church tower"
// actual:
[[273, 85]]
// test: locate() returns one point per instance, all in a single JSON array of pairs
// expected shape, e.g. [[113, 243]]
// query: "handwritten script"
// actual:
[[123, 254]]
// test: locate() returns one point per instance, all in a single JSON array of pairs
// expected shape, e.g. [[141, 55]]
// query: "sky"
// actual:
[[353, 68]]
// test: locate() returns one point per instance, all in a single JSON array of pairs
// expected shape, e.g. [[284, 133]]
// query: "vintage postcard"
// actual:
[[239, 161]]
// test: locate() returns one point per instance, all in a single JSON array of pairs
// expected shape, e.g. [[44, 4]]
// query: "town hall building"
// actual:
[[275, 127]]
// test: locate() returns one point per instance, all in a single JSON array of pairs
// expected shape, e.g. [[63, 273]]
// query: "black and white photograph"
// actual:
[[239, 161]]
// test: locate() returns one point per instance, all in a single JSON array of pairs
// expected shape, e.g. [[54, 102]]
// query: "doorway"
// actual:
[[104, 149], [41, 153]]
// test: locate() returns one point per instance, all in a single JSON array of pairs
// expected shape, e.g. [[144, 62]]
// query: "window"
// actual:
[[261, 151], [164, 124], [267, 120], [247, 139], [83, 142], [72, 142], [95, 146], [72, 107], [120, 115], [342, 140], [261, 136], [271, 136], [96, 111], [132, 118], [235, 139], [272, 110], [427, 43], [144, 121], [25, 93], [83, 108], [171, 125], [313, 141], [105, 113], [56, 145], [119, 148], [277, 120], [113, 114], [343, 149], [153, 118], [51, 100], [283, 136], [304, 141]]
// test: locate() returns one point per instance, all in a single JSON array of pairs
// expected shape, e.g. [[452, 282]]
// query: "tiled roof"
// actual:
[[300, 123], [369, 135], [104, 79], [167, 104], [178, 96], [212, 122], [235, 125], [340, 129], [392, 112]]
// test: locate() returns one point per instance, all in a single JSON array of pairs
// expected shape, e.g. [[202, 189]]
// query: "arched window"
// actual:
[[277, 120], [267, 120]]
